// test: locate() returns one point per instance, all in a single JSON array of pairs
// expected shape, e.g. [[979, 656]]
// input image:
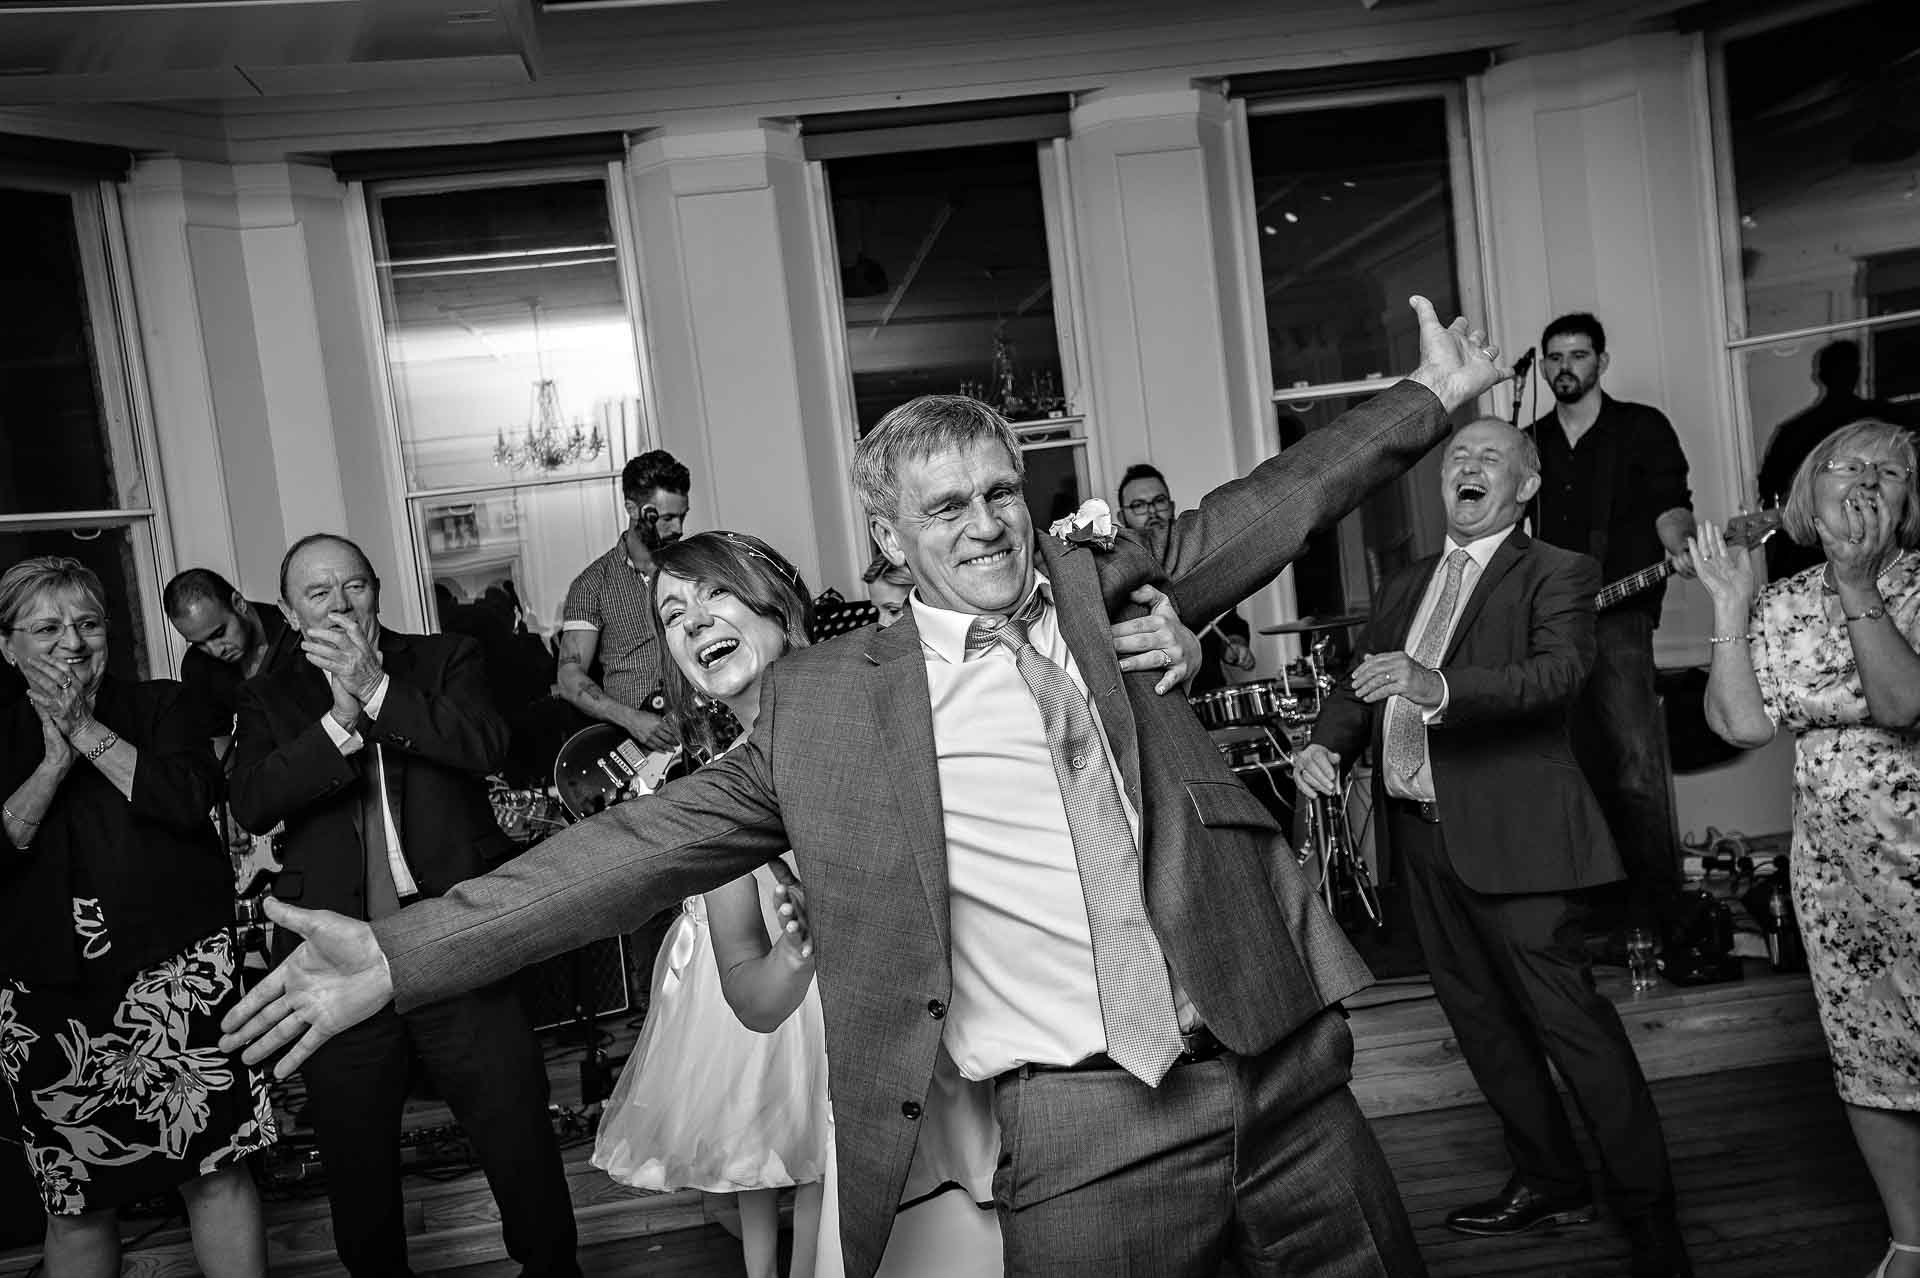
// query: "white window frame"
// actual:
[[414, 502], [1733, 276], [1466, 184], [126, 408], [1063, 257]]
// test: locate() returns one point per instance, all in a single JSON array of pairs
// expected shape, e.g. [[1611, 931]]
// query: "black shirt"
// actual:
[[1604, 496], [212, 686]]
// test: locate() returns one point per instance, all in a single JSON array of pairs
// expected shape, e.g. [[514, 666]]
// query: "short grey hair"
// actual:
[[1528, 454], [1859, 439], [41, 575], [916, 430]]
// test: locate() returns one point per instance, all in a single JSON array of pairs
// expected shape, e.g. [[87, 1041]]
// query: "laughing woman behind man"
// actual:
[[115, 962], [705, 1102], [1829, 654]]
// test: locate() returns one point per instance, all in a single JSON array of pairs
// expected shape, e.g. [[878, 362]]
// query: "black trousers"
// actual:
[[1620, 739], [1512, 975], [480, 1052]]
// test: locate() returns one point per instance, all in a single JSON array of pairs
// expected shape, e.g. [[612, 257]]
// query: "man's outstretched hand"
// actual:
[[335, 980], [1456, 364]]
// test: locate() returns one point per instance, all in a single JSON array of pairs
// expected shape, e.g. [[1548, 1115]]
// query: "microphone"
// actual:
[[1523, 366]]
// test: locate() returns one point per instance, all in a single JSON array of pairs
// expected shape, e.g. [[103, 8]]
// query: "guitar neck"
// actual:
[[1627, 587]]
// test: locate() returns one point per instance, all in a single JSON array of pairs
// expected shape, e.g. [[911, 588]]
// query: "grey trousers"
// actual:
[[1263, 1160]]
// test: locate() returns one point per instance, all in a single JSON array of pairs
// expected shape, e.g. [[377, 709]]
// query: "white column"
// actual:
[[1177, 360], [735, 327], [1600, 188], [1599, 166], [251, 319]]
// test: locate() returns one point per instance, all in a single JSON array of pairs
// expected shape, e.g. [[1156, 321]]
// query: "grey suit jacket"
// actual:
[[841, 768]]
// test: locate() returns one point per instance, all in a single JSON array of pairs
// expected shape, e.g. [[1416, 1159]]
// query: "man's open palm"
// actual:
[[335, 980]]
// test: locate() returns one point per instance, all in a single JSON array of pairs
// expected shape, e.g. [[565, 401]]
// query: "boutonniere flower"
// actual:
[[1091, 525]]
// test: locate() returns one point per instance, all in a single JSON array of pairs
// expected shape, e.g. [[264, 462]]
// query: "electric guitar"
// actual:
[[601, 765], [1742, 530]]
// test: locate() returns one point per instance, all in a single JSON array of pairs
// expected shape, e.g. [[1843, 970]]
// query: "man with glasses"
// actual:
[[1613, 485], [1147, 507]]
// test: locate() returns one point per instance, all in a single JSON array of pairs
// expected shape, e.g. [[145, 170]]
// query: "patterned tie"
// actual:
[[1406, 734], [1136, 992]]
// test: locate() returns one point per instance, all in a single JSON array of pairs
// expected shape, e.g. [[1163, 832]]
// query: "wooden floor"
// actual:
[[1770, 1187], [1769, 1178]]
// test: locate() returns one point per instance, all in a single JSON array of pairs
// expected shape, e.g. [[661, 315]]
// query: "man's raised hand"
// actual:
[[1456, 363], [335, 980]]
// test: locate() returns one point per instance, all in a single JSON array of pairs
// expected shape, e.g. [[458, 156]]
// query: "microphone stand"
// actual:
[[1521, 368]]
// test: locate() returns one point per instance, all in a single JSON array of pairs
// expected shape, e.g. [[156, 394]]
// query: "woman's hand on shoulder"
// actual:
[[1157, 641]]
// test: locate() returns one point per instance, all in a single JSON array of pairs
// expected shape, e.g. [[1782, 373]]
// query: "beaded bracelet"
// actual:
[[1872, 614], [105, 744], [1719, 639]]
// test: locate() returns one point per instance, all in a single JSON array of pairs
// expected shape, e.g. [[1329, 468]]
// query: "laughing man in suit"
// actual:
[[1475, 657], [1062, 886]]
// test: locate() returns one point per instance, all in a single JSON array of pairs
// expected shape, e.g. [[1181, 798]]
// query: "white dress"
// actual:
[[706, 1103], [950, 1233]]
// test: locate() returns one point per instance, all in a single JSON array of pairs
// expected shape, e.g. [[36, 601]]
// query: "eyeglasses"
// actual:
[[1854, 467], [50, 631], [1149, 506]]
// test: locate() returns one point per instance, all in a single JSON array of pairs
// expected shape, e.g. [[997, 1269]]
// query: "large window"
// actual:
[[511, 353], [1820, 162], [71, 475], [1355, 205], [948, 286]]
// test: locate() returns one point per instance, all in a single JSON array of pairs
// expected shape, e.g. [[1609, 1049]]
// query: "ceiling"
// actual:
[[70, 51]]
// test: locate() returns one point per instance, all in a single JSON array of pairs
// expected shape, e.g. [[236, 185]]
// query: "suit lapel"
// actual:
[[903, 711], [1504, 558], [1082, 615]]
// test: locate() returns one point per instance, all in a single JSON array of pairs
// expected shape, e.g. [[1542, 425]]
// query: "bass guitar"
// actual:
[[1742, 530], [601, 765]]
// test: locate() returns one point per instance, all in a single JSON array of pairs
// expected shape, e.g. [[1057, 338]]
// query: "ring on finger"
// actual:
[[1166, 659]]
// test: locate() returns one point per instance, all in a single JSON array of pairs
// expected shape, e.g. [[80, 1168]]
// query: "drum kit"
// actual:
[[1258, 726]]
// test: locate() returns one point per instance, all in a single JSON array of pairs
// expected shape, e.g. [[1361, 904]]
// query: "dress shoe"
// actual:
[[1518, 1209]]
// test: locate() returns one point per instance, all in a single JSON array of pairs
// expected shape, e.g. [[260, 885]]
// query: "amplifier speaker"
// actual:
[[593, 977]]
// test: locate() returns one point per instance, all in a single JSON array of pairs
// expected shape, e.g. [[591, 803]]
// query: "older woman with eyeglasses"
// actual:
[[115, 960], [1830, 655]]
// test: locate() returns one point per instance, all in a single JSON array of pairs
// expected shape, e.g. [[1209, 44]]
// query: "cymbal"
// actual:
[[1306, 625]]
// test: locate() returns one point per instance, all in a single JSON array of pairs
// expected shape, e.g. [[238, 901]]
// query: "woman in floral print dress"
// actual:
[[1829, 654], [115, 962]]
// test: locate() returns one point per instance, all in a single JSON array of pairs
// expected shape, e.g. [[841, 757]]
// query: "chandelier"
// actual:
[[547, 443]]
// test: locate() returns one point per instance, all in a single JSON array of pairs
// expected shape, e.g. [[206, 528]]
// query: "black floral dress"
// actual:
[[122, 1093], [1856, 831], [116, 967]]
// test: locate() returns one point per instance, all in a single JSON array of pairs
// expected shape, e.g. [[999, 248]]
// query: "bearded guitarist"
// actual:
[[605, 616], [1613, 485]]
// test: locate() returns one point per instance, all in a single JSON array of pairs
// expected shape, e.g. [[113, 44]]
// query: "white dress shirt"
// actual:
[[1024, 990], [350, 742], [1419, 787]]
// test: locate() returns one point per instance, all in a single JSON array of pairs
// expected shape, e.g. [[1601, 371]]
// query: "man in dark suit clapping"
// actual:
[[1475, 656], [374, 751]]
